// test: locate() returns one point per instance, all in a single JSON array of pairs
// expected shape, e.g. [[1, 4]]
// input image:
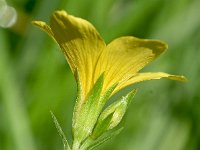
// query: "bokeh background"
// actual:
[[35, 78]]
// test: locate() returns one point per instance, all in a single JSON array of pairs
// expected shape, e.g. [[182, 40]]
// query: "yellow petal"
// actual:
[[125, 56], [42, 25], [139, 77], [80, 42]]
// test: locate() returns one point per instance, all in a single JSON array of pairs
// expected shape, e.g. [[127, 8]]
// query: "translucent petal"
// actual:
[[86, 53], [125, 56], [79, 41], [139, 77]]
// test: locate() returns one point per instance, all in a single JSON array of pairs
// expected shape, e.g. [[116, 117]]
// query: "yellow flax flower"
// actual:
[[89, 57], [86, 51]]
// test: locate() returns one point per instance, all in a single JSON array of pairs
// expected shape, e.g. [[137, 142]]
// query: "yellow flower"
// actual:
[[85, 50], [90, 58]]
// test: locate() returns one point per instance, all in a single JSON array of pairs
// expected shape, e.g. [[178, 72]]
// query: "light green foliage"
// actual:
[[34, 78]]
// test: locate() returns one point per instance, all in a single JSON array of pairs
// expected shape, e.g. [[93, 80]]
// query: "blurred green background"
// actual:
[[35, 78]]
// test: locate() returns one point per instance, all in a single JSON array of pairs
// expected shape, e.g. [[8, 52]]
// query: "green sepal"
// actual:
[[91, 144], [118, 109], [108, 119], [104, 98], [79, 99], [86, 116], [60, 131], [101, 127]]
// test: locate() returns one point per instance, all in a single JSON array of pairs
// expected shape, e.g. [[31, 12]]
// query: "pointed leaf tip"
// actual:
[[60, 131]]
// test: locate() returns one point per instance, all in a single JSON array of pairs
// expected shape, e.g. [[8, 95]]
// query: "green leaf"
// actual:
[[60, 131]]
